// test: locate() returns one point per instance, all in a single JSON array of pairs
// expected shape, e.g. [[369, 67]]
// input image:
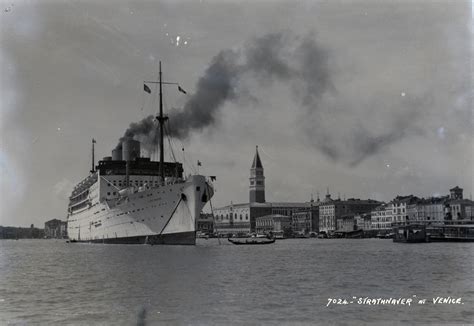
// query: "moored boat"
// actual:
[[451, 233], [251, 241], [130, 199], [411, 233]]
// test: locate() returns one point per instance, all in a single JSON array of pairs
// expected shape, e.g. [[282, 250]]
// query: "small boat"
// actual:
[[390, 235], [356, 234], [411, 233], [251, 241], [202, 235], [322, 235], [278, 235]]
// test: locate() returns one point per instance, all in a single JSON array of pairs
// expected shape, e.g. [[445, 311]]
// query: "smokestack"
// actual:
[[130, 149], [117, 153]]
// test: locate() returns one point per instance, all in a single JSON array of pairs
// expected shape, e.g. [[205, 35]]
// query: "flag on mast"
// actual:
[[146, 88]]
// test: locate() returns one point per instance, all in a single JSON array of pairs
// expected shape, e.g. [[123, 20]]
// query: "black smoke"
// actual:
[[297, 61], [146, 131], [273, 57], [213, 89]]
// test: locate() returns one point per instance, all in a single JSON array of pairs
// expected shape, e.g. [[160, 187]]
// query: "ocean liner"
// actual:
[[131, 199]]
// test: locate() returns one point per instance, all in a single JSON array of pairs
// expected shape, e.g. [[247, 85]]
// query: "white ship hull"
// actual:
[[164, 214]]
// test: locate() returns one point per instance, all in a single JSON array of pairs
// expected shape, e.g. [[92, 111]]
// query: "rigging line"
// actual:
[[185, 164], [166, 127], [189, 165], [109, 182], [213, 217], [171, 215], [182, 146], [169, 143], [193, 168]]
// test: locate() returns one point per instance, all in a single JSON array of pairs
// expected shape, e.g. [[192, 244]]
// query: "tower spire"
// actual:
[[257, 180], [257, 163], [328, 195]]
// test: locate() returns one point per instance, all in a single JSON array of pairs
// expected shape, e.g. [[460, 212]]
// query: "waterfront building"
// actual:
[[274, 223], [429, 209], [459, 208], [55, 229], [346, 223], [326, 214], [381, 218], [306, 221], [205, 223], [331, 210], [399, 208], [12, 232], [363, 221], [239, 218], [455, 193], [438, 209]]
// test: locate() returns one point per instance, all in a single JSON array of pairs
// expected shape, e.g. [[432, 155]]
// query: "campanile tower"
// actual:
[[257, 181]]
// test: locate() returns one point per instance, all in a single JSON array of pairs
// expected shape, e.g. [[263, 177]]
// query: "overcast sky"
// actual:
[[372, 99]]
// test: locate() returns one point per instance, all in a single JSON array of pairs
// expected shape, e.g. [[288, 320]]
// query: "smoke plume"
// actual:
[[212, 90], [277, 56], [296, 61]]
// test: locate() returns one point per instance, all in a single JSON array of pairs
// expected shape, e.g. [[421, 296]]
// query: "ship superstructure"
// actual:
[[131, 199]]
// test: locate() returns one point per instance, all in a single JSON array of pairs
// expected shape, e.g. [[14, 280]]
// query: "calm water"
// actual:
[[52, 282]]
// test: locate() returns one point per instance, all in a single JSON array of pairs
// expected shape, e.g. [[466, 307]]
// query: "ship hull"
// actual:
[[182, 238]]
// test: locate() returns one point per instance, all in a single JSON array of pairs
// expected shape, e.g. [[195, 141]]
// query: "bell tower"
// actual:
[[257, 181]]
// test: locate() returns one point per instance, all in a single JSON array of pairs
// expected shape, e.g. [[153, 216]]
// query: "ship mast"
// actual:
[[161, 119]]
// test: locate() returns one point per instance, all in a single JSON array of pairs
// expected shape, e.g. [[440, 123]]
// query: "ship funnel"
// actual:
[[130, 150], [117, 153]]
